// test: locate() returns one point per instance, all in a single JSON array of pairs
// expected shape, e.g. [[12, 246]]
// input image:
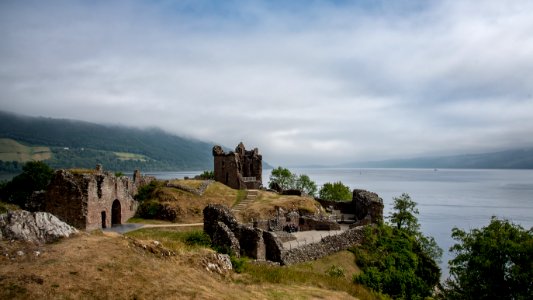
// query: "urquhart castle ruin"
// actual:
[[241, 169], [93, 200]]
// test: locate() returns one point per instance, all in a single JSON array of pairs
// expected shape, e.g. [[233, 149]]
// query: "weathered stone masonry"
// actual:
[[262, 244], [241, 169], [226, 232], [93, 200]]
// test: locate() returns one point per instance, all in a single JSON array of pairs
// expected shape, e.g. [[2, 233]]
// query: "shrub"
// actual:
[[237, 263], [494, 262], [35, 176], [197, 238], [335, 271], [336, 191], [146, 192], [206, 175]]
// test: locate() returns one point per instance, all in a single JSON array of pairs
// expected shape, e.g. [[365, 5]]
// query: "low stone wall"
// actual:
[[326, 246]]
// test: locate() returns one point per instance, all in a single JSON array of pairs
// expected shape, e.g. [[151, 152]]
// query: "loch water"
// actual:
[[446, 198]]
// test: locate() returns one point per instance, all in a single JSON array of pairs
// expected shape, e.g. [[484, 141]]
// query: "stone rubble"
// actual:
[[38, 227]]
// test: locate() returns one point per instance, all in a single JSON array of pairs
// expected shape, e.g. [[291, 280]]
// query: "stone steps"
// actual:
[[251, 195]]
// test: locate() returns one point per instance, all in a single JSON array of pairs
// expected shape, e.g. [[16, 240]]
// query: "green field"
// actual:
[[11, 150], [130, 156]]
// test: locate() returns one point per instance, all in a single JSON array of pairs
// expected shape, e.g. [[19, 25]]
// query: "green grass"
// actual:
[[175, 238], [241, 195], [293, 276], [11, 150], [130, 156], [4, 207]]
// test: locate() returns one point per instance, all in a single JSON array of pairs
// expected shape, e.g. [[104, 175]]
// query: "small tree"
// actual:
[[35, 176], [283, 178], [494, 262], [206, 175], [404, 218], [305, 184], [335, 191], [404, 213]]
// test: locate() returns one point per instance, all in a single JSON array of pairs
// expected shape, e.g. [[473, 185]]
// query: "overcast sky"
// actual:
[[305, 81]]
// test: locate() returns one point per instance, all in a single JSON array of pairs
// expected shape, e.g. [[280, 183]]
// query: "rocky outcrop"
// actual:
[[217, 263], [38, 227], [368, 207]]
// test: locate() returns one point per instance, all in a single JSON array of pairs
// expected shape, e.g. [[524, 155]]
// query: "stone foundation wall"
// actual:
[[227, 233], [326, 246]]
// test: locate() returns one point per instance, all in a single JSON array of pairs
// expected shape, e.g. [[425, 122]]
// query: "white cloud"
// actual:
[[306, 83]]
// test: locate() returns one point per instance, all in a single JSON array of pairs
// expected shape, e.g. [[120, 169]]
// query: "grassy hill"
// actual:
[[109, 266], [68, 143]]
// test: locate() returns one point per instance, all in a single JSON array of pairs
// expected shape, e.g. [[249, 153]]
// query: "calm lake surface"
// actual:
[[446, 198]]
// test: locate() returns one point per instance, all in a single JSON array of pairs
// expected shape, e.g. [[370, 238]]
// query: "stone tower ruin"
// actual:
[[241, 169]]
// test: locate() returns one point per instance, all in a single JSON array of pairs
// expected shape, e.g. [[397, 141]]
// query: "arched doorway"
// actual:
[[104, 221], [116, 213]]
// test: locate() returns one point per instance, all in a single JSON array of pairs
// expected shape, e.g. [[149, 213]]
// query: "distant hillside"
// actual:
[[510, 159], [68, 143]]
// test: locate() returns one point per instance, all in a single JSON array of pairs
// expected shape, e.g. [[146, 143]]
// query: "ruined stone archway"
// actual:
[[116, 213], [104, 221]]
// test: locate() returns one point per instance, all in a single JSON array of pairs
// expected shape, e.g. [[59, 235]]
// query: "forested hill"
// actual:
[[509, 159], [81, 144]]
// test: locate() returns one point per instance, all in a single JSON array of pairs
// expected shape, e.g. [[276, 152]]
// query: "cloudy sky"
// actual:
[[305, 81]]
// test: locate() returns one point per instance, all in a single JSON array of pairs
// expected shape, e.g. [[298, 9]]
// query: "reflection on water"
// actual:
[[446, 198]]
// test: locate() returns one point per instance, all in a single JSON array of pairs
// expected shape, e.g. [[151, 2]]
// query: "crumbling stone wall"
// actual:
[[234, 169], [226, 232], [366, 207], [93, 200]]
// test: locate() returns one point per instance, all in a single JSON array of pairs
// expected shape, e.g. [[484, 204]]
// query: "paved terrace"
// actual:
[[311, 236]]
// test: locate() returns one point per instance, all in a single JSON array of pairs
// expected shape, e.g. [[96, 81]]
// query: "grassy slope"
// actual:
[[190, 206], [264, 207], [108, 266], [11, 150]]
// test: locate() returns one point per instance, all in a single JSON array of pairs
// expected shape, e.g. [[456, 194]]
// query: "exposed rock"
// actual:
[[217, 263], [153, 247], [39, 227]]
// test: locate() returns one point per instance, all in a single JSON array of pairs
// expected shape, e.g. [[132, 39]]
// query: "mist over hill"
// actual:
[[508, 159], [83, 144]]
